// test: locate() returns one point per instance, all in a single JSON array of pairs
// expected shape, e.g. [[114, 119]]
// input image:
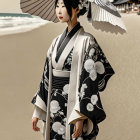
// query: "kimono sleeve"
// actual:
[[95, 73], [41, 96], [39, 113]]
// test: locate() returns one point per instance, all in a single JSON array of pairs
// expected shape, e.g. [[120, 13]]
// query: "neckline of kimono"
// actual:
[[64, 40], [71, 44], [64, 35]]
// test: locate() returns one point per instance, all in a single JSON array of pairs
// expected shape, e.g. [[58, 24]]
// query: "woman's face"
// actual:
[[61, 12]]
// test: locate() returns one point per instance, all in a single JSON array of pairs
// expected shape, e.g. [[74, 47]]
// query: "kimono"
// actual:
[[76, 70]]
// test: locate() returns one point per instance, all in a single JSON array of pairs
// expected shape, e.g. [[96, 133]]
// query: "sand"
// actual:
[[22, 58]]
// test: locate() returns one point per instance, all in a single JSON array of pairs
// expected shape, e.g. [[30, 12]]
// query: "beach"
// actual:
[[22, 58]]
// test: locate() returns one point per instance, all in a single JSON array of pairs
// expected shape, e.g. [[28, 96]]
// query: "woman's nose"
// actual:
[[59, 11]]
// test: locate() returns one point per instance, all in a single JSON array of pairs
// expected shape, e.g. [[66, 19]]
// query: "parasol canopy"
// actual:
[[101, 13]]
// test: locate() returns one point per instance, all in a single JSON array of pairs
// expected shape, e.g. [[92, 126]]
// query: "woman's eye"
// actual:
[[58, 6]]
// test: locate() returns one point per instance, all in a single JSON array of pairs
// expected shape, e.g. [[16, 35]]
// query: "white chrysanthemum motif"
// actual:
[[99, 67], [82, 91], [94, 99], [91, 52], [83, 87], [89, 65], [56, 126], [81, 94], [90, 107], [54, 106], [93, 74], [79, 138], [93, 68], [59, 128], [65, 89]]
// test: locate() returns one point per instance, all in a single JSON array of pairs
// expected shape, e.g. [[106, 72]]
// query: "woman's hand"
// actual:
[[34, 124], [78, 128]]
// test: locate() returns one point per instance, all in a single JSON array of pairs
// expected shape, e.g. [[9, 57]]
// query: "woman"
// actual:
[[79, 70]]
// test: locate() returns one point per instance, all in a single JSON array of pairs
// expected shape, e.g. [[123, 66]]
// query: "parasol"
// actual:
[[101, 13]]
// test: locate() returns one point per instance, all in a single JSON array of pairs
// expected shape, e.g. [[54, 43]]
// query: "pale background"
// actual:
[[22, 58]]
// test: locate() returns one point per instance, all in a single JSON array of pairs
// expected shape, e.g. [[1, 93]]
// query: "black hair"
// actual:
[[72, 4]]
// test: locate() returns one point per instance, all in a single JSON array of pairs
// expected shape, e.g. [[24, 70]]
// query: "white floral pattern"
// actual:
[[65, 89], [94, 99], [90, 107], [59, 128], [91, 52], [54, 106], [82, 92], [93, 74], [89, 65], [99, 67], [93, 68]]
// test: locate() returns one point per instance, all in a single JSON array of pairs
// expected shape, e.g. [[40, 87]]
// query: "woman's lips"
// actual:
[[60, 17]]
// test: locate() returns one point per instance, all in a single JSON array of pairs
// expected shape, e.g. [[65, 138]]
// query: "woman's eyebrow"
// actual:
[[61, 2]]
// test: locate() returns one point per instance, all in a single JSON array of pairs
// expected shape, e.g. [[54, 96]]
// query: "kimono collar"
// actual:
[[65, 39], [59, 57]]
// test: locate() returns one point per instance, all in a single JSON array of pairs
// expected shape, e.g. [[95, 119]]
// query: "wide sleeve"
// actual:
[[41, 96], [95, 73], [39, 113]]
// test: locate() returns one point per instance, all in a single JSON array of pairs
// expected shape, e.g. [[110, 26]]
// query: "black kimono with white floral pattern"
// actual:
[[95, 73]]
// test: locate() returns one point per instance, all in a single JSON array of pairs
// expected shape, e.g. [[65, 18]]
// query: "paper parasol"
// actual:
[[103, 14]]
